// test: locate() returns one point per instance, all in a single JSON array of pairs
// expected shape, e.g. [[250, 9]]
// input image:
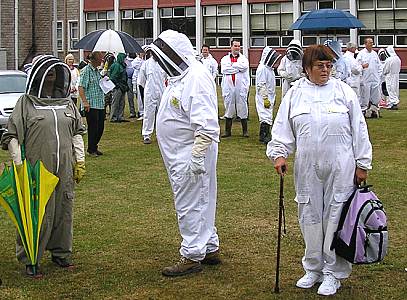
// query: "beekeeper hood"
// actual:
[[294, 50], [336, 48], [383, 54], [390, 51], [269, 57], [49, 78], [173, 51]]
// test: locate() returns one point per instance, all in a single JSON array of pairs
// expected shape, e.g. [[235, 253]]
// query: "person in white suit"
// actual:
[[391, 73], [355, 68], [235, 87], [208, 61], [188, 137], [290, 67], [266, 92]]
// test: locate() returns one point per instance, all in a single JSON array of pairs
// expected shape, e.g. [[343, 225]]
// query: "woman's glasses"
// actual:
[[322, 66]]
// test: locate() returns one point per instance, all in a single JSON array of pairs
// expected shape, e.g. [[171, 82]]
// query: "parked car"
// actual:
[[12, 86]]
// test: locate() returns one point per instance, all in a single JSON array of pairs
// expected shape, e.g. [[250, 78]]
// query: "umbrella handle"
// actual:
[[22, 152]]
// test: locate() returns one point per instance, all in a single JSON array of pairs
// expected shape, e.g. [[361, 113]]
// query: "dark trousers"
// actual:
[[96, 124]]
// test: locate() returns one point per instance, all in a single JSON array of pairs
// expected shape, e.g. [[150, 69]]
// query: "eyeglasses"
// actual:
[[322, 66]]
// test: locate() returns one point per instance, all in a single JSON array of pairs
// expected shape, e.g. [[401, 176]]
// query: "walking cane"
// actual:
[[281, 219]]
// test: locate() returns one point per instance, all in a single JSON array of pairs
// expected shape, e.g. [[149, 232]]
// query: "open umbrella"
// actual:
[[326, 19], [24, 194], [109, 40]]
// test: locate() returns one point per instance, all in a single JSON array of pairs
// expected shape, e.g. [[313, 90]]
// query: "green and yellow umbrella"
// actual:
[[24, 193]]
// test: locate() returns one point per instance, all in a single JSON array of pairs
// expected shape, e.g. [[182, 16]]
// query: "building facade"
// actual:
[[257, 23]]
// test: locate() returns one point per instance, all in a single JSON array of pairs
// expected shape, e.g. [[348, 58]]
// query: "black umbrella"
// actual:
[[110, 41]]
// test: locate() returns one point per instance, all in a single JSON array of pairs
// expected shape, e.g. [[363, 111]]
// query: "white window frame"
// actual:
[[209, 15], [69, 34], [148, 13], [62, 36], [91, 12], [361, 37], [363, 9], [123, 14], [221, 14], [274, 37], [395, 40], [111, 12], [173, 12], [385, 8], [257, 13], [192, 10], [257, 38], [384, 35]]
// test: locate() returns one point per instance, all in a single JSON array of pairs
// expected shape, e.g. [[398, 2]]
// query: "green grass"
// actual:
[[125, 226]]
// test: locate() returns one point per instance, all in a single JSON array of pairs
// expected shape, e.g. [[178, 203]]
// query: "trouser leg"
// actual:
[[100, 125], [130, 97], [92, 121], [140, 100]]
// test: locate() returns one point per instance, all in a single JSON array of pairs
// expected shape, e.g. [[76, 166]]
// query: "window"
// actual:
[[179, 21], [73, 34], [362, 40], [127, 14], [401, 40], [100, 20], [222, 23], [385, 40], [384, 4], [326, 4], [270, 19], [309, 40], [366, 4], [60, 36], [139, 25]]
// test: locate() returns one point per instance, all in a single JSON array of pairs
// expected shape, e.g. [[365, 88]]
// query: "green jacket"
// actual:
[[117, 73]]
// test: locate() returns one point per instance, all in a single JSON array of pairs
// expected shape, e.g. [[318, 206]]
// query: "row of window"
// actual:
[[73, 35]]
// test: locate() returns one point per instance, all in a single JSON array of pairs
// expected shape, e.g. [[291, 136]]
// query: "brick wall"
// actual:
[[7, 30]]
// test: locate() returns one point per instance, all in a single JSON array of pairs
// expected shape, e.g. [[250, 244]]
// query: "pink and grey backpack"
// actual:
[[362, 237]]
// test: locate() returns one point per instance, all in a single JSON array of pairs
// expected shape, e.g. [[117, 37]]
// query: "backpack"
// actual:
[[362, 237]]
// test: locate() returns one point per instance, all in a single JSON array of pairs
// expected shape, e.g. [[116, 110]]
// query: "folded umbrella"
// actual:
[[109, 40]]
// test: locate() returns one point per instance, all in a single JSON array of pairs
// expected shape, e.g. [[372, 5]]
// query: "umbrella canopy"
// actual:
[[110, 41], [326, 19], [24, 194]]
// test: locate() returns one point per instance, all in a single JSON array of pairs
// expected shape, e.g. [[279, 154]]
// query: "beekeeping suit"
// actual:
[[391, 72], [188, 136], [49, 126], [290, 68]]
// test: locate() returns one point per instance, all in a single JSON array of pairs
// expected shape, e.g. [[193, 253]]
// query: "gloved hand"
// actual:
[[267, 103], [196, 164], [79, 171]]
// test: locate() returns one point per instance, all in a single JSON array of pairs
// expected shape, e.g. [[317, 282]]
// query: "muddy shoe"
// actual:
[[63, 262], [212, 258], [183, 267]]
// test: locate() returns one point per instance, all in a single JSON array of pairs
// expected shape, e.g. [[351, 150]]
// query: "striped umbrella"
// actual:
[[109, 40]]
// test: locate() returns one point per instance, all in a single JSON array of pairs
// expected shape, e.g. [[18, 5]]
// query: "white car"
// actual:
[[12, 86]]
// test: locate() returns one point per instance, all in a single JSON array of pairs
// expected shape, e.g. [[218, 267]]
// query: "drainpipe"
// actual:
[[81, 26], [296, 15], [353, 32], [198, 25], [156, 20], [54, 28], [16, 34], [245, 29], [116, 15]]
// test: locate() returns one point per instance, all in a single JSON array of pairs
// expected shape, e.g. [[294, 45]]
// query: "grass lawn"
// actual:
[[125, 226]]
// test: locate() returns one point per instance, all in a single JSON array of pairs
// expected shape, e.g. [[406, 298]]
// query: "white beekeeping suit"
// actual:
[[137, 63], [266, 92], [324, 126], [391, 72], [153, 90], [370, 82], [188, 136], [211, 64], [290, 68], [340, 69], [355, 69]]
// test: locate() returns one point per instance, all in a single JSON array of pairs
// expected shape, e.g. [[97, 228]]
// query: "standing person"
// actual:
[[188, 136], [153, 91], [107, 62], [340, 69], [290, 68], [137, 63], [93, 102], [235, 87], [209, 62], [117, 74], [70, 60], [371, 74], [321, 121], [266, 92], [49, 126], [355, 68], [130, 93], [391, 73]]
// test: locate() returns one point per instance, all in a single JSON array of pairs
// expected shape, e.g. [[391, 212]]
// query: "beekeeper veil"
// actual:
[[269, 57], [336, 48], [383, 54], [173, 51], [294, 50], [49, 78]]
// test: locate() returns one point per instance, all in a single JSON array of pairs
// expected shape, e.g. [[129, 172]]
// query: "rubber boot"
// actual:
[[244, 127], [228, 128], [267, 133], [262, 133]]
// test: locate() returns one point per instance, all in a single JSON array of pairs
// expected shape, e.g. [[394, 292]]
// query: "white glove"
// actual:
[[78, 148], [196, 164], [15, 151]]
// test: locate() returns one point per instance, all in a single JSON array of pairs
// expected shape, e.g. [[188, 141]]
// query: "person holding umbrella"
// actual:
[[321, 121], [188, 137], [49, 127]]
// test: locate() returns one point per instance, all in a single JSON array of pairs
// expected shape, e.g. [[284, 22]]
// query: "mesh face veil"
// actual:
[[294, 52], [168, 59], [49, 78], [271, 58]]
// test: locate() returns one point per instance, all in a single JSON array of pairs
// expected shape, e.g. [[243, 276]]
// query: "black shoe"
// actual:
[[63, 262], [394, 107], [99, 152], [33, 271], [93, 154], [124, 121]]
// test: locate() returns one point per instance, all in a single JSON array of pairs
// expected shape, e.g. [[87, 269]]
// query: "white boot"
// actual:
[[308, 280], [329, 286]]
